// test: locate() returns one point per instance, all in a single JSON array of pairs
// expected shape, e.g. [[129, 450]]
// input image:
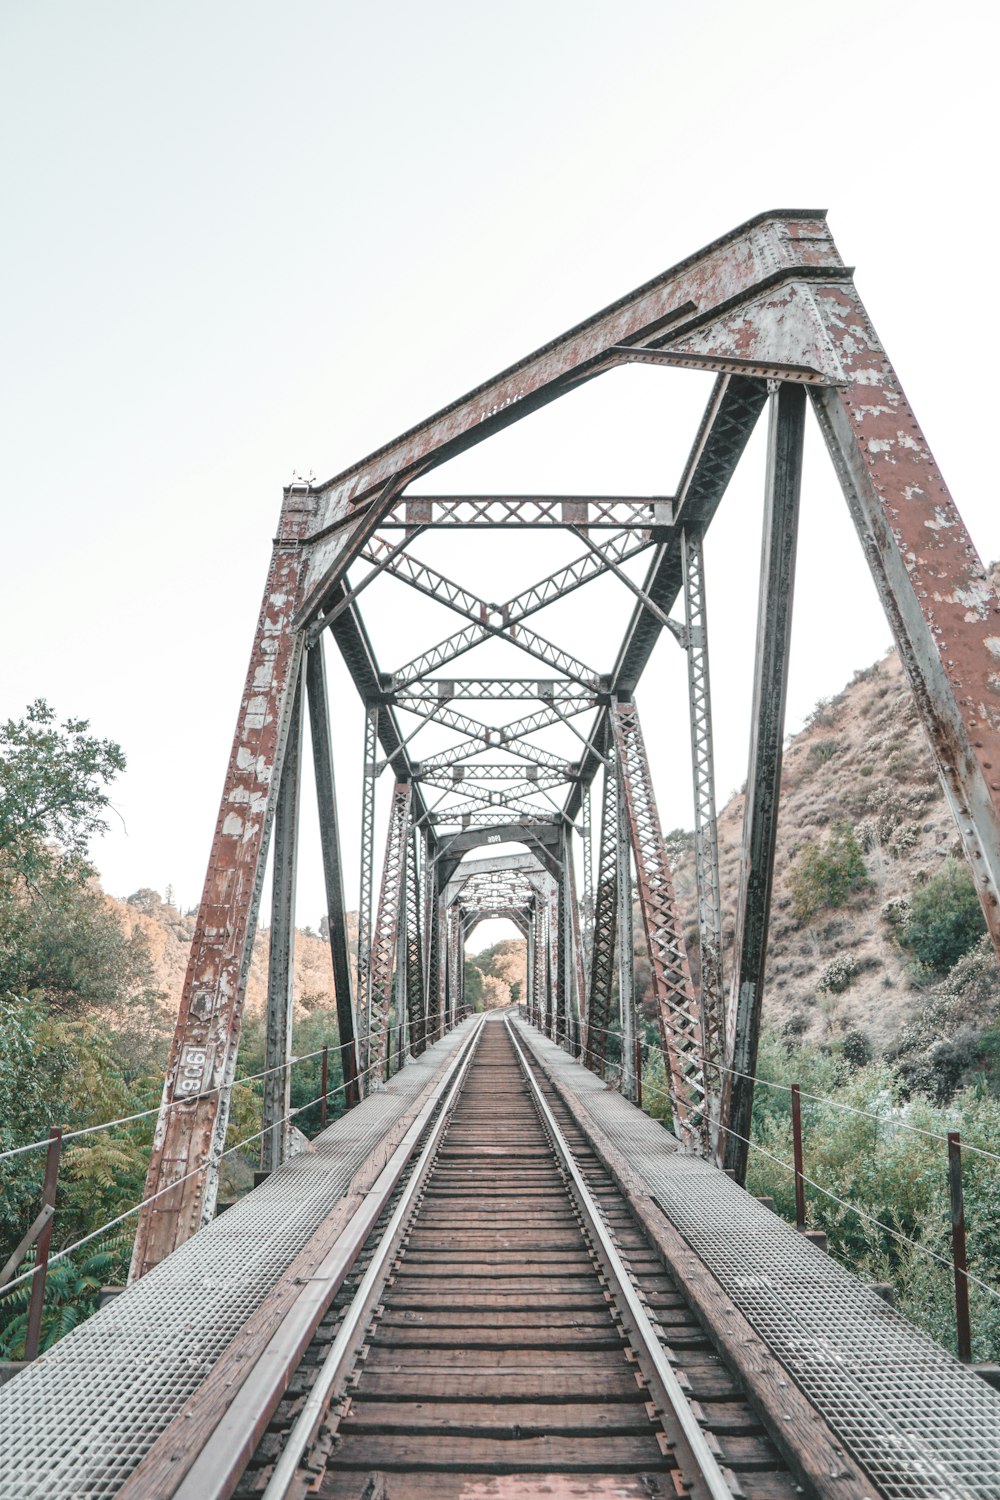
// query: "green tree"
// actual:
[[946, 919], [53, 791], [828, 874]]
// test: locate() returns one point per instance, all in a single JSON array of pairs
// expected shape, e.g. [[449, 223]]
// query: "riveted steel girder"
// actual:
[[602, 963], [366, 889], [711, 993], [190, 1130], [528, 511], [386, 928], [415, 999], [677, 1008]]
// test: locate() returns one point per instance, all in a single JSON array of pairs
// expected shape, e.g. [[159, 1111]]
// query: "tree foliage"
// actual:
[[828, 874], [53, 790], [946, 919]]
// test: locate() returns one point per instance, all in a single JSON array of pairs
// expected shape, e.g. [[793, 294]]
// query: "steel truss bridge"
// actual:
[[372, 1319]]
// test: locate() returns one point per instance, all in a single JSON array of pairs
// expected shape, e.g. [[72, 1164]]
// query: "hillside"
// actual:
[[167, 934], [861, 765]]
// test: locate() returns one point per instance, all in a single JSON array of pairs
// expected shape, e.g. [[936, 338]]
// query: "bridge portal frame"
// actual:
[[770, 309]]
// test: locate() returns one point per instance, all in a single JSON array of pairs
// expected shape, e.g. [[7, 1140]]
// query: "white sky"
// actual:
[[245, 238]]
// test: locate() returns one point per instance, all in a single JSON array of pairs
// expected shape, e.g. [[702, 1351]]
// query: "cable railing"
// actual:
[[958, 1264], [39, 1234], [787, 1088], [144, 1114], [195, 1172]]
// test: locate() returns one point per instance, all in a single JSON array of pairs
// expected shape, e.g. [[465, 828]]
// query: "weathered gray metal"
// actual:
[[333, 867], [767, 728], [711, 992], [623, 892], [386, 931], [366, 889], [677, 1009], [281, 950]]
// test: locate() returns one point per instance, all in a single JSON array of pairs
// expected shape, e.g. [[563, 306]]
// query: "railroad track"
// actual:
[[506, 1330]]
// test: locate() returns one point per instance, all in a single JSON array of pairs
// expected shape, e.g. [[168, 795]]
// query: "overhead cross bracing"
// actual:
[[494, 725]]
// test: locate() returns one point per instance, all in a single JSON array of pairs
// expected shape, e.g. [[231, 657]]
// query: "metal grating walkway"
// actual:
[[923, 1426], [78, 1421]]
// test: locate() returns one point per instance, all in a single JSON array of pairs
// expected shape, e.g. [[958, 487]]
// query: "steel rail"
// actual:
[[704, 1476], [219, 1466], [338, 1363]]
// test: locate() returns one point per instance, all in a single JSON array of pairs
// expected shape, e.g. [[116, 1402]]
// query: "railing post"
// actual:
[[800, 1187], [963, 1325], [324, 1086], [37, 1302], [638, 1071]]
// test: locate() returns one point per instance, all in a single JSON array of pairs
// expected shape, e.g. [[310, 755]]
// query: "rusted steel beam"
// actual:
[[929, 576], [624, 893], [677, 1008], [366, 890], [415, 999], [333, 867], [758, 261], [602, 963], [281, 950], [191, 1128], [605, 511], [587, 901], [387, 927], [767, 728], [711, 992], [529, 641], [495, 689], [579, 983]]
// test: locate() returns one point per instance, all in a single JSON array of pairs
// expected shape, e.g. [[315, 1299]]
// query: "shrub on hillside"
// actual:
[[946, 919], [827, 874]]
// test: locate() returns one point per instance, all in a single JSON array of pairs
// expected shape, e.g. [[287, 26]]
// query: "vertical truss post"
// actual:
[[428, 888], [333, 867], [626, 942], [369, 778], [602, 959], [706, 833], [680, 1021], [529, 968], [415, 988], [400, 984], [760, 817], [588, 877], [553, 995], [577, 983], [387, 928], [277, 1100], [564, 981], [456, 951], [541, 959], [190, 1132], [434, 1011]]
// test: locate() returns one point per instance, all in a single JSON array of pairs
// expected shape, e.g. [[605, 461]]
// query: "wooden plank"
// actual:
[[460, 1485], [404, 1383], [501, 1419], [599, 1455]]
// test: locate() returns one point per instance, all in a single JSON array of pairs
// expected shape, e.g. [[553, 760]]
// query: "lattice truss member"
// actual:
[[488, 723]]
